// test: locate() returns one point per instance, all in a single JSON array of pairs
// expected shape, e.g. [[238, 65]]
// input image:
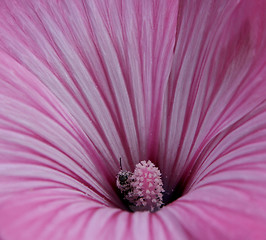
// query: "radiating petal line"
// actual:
[[83, 82], [217, 77], [50, 133], [78, 93], [85, 65], [226, 191]]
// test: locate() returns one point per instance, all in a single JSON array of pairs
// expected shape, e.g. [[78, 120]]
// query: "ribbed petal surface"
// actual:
[[218, 76], [106, 61], [224, 198], [83, 83], [80, 87]]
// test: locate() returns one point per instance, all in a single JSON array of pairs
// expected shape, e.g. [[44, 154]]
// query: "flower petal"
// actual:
[[218, 76], [79, 84], [37, 132], [106, 61], [225, 197]]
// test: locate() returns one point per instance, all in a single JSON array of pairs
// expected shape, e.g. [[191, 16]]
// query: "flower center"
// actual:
[[142, 189]]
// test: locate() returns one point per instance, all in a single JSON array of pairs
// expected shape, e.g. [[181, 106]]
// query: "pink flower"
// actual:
[[85, 83]]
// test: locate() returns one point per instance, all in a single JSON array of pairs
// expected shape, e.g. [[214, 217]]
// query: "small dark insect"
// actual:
[[123, 177], [123, 180]]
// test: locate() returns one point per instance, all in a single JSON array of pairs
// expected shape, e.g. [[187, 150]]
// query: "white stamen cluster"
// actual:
[[143, 189]]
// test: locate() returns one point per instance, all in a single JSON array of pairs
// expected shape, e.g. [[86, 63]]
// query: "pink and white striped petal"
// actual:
[[218, 76], [83, 83]]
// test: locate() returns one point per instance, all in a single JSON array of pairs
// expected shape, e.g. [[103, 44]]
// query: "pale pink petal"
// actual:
[[51, 183], [80, 82], [106, 61], [218, 76], [225, 197]]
